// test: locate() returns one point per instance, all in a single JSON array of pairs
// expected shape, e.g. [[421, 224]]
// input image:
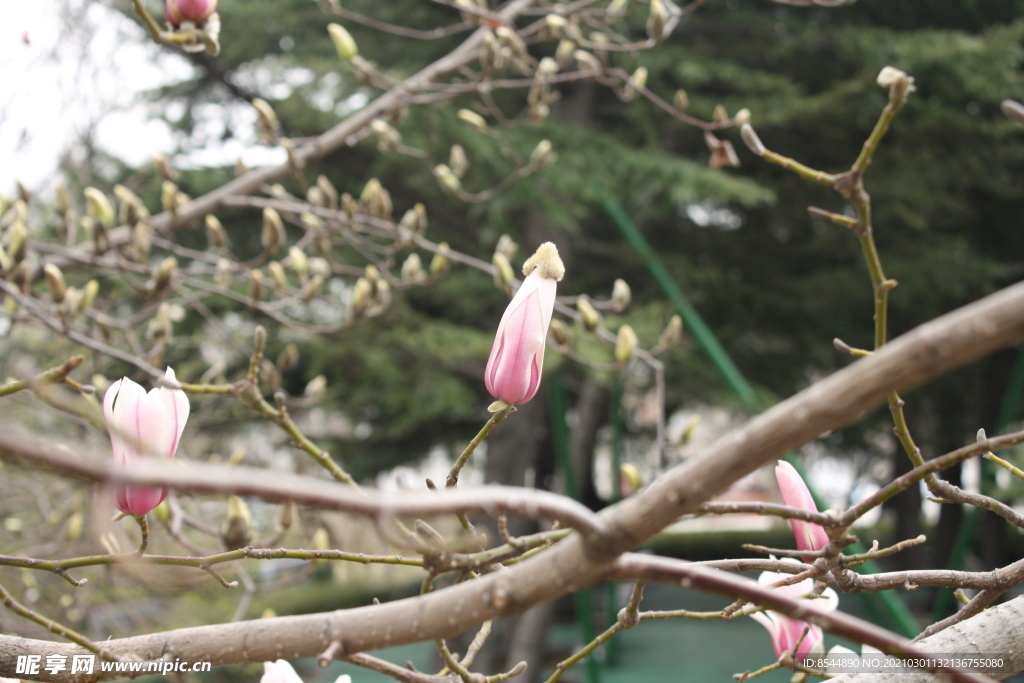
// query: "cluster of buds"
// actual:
[[195, 24], [69, 301], [14, 242], [504, 47], [376, 200], [413, 224], [371, 294]]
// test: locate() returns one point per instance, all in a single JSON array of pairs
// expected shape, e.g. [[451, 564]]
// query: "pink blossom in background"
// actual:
[[796, 494]]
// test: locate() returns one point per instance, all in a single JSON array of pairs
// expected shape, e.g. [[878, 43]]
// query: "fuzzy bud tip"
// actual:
[[547, 260]]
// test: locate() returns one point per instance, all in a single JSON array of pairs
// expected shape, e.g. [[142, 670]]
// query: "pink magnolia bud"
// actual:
[[786, 632], [517, 357], [196, 11], [143, 425], [796, 494]]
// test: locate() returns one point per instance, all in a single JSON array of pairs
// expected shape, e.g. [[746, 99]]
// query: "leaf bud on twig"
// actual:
[[587, 61], [503, 273], [237, 529], [55, 282], [142, 240], [507, 247], [215, 234], [164, 274], [656, 20], [473, 120], [376, 199], [542, 156], [312, 288], [321, 540], [168, 196], [160, 327], [266, 119], [277, 274], [256, 284], [440, 263], [458, 161], [89, 294], [681, 101], [388, 138], [99, 207], [1013, 110], [625, 344], [328, 190], [636, 82], [621, 296], [672, 334], [132, 210], [273, 231], [361, 293], [17, 246], [412, 269], [751, 140], [448, 180], [222, 276], [349, 206], [316, 389], [556, 24], [563, 53], [343, 41], [590, 318], [298, 261], [288, 359], [561, 335]]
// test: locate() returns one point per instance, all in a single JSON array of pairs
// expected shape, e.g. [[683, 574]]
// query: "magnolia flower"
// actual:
[[785, 631], [282, 672], [517, 357], [143, 425], [795, 494], [196, 11]]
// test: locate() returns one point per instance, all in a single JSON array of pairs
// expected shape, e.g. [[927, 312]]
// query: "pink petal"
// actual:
[[162, 417], [120, 406], [796, 494]]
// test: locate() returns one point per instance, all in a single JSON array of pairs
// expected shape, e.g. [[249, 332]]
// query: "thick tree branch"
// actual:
[[573, 564]]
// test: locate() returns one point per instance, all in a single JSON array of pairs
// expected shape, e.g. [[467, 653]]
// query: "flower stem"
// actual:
[[453, 476], [144, 527]]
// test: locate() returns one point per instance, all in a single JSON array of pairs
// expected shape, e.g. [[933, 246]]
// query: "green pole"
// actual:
[[582, 602], [896, 610], [694, 323]]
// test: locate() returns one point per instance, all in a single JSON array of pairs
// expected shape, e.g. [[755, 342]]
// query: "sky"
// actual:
[[73, 68]]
